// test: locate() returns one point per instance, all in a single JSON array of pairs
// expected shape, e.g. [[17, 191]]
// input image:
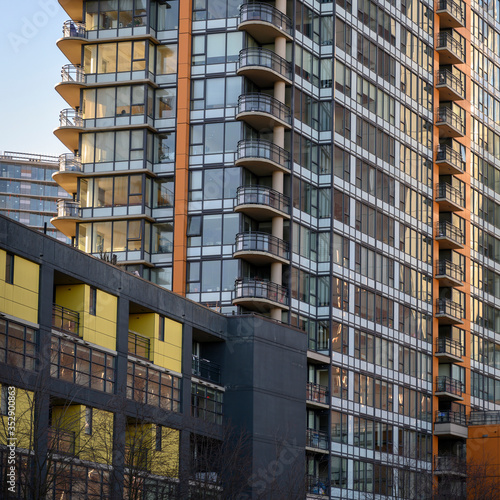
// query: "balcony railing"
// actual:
[[138, 345], [446, 40], [446, 115], [447, 154], [449, 463], [261, 195], [265, 58], [446, 77], [447, 230], [263, 103], [450, 308], [446, 191], [317, 393], [206, 369], [65, 320], [70, 118], [453, 9], [450, 385], [68, 162], [72, 29], [72, 74], [259, 289], [317, 485], [450, 417], [450, 269], [317, 439], [261, 242], [260, 148], [484, 417], [265, 13], [449, 346], [61, 441], [68, 208]]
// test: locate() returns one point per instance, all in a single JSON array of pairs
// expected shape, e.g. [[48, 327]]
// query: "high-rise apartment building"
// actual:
[[333, 166], [28, 193]]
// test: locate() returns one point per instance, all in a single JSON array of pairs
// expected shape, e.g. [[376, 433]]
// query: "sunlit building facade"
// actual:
[[330, 165]]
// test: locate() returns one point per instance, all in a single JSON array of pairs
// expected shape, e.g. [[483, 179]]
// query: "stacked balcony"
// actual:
[[261, 202], [451, 47], [449, 160], [263, 112], [449, 235], [450, 86], [449, 312], [70, 168], [449, 123], [449, 388], [261, 248], [449, 198], [317, 395], [72, 81], [451, 13], [449, 274], [70, 127], [262, 157], [260, 295], [264, 67], [68, 215], [449, 350], [264, 22], [74, 36]]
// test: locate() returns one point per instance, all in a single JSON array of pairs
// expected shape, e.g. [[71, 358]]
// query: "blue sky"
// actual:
[[31, 66]]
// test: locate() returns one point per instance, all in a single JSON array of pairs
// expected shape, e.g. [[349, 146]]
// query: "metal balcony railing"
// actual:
[[259, 289], [261, 195], [450, 308], [449, 346], [447, 230], [446, 40], [447, 192], [260, 148], [72, 29], [453, 9], [68, 162], [70, 118], [73, 74], [450, 269], [447, 154], [68, 208], [205, 369], [65, 320], [138, 345], [446, 115], [317, 393], [265, 58], [449, 463], [450, 385], [317, 439], [317, 485], [450, 417], [265, 13], [484, 417], [61, 441], [263, 103], [446, 77], [261, 242]]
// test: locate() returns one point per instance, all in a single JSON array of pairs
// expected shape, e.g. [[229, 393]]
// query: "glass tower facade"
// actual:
[[333, 166]]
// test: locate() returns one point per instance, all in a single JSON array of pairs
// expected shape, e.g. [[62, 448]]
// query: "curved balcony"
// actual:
[[74, 9], [449, 236], [264, 22], [68, 214], [70, 126], [264, 67], [451, 50], [261, 248], [449, 312], [449, 123], [261, 202], [72, 81], [451, 14], [259, 295], [262, 157], [74, 36], [449, 274], [449, 388], [70, 168], [449, 160], [449, 350], [449, 198], [450, 86], [263, 112]]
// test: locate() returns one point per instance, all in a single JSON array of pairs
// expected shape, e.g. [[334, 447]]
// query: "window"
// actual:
[[206, 403], [93, 301], [4, 399], [18, 345], [161, 333], [88, 420], [9, 268], [158, 437]]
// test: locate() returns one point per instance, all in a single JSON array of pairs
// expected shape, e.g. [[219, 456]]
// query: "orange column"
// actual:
[[182, 148]]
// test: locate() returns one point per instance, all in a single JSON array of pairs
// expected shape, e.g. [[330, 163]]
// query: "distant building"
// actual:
[[27, 192]]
